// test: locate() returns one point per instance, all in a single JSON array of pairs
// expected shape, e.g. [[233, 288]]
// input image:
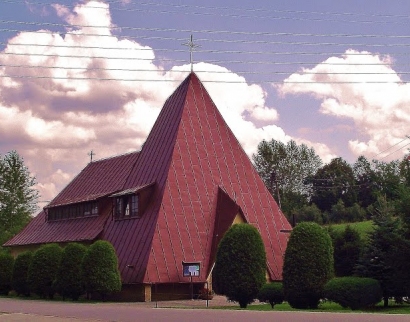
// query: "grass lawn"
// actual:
[[330, 307], [363, 227]]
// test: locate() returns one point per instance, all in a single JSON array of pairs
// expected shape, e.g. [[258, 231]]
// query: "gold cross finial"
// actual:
[[191, 46]]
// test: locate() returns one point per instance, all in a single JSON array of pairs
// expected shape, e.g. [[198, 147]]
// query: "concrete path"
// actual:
[[18, 310]]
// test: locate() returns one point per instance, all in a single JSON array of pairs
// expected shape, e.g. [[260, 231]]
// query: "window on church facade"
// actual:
[[126, 206], [84, 209]]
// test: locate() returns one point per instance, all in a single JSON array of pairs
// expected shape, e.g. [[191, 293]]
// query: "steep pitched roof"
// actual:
[[199, 177], [97, 179], [40, 231], [190, 153]]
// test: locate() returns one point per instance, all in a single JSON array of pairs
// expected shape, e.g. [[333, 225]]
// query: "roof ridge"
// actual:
[[161, 129], [112, 157]]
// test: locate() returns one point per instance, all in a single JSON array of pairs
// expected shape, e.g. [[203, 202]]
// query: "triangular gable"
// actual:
[[205, 155], [225, 213]]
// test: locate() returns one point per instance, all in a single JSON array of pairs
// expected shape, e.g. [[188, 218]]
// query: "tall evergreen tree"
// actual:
[[347, 249], [18, 197], [385, 257]]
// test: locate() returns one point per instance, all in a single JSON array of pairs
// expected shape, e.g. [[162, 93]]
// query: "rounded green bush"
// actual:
[[240, 265], [100, 269], [272, 293], [353, 292], [308, 265], [20, 273], [43, 270], [69, 282], [6, 272]]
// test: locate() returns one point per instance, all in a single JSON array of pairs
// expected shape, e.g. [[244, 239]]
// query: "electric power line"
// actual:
[[207, 31], [203, 81], [211, 51], [390, 147], [394, 151], [219, 13], [197, 71]]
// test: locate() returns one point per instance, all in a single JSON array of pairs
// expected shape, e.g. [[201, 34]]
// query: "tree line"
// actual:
[[329, 193], [18, 196]]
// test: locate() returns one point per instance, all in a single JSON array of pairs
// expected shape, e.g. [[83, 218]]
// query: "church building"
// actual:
[[165, 208]]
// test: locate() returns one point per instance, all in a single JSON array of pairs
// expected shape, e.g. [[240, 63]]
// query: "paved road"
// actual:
[[13, 310]]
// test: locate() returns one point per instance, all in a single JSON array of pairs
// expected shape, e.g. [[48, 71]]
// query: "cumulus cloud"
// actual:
[[362, 87], [74, 95]]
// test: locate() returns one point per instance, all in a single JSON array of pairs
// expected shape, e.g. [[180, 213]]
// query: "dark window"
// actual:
[[126, 206], [85, 209]]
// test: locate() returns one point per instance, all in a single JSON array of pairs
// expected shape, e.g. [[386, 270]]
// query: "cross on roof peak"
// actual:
[[191, 46], [91, 154]]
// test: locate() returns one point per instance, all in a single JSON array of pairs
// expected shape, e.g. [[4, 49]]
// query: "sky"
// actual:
[[81, 76]]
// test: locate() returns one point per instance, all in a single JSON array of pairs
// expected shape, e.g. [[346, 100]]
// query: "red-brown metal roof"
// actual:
[[97, 179], [39, 231], [189, 153]]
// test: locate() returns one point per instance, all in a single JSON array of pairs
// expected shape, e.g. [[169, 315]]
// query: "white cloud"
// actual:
[[54, 116], [363, 87]]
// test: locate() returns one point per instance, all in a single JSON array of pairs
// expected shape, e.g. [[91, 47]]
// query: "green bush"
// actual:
[[240, 265], [69, 282], [271, 293], [43, 270], [100, 269], [308, 265], [6, 272], [353, 292], [309, 213], [20, 273]]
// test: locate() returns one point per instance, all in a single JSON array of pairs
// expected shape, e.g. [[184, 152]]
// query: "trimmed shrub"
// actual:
[[308, 265], [43, 270], [240, 265], [6, 272], [353, 292], [272, 293], [100, 269], [69, 282], [20, 273]]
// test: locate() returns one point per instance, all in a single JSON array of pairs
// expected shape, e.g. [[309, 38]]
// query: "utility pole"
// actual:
[[273, 177]]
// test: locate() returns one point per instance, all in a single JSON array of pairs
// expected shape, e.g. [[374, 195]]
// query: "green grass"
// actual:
[[363, 227], [328, 307]]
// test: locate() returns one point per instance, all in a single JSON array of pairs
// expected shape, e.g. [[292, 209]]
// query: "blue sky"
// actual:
[[82, 75]]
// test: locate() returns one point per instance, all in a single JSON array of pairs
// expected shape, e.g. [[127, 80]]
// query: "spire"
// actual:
[[191, 46]]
